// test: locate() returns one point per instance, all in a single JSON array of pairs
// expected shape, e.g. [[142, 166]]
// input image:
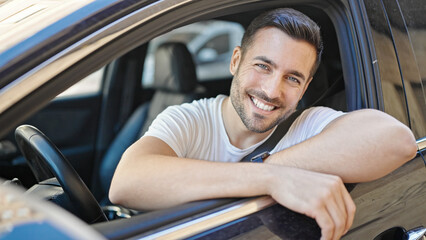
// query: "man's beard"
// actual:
[[252, 122]]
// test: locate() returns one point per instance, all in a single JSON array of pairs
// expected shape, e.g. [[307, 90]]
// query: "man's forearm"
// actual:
[[157, 181], [359, 146]]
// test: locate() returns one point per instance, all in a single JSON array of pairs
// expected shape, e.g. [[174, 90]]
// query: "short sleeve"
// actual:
[[315, 119], [172, 126], [311, 122]]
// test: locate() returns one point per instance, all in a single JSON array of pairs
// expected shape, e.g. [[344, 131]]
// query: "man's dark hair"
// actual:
[[294, 23]]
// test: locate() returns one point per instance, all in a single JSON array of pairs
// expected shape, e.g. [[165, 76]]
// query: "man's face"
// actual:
[[271, 78]]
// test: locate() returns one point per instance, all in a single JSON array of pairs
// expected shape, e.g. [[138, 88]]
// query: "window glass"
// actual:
[[211, 44], [390, 76], [413, 12], [88, 85]]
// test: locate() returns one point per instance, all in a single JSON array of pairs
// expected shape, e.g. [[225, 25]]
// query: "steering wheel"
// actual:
[[44, 159]]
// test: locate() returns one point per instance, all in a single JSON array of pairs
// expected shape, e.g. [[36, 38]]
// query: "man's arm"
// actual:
[[360, 146], [150, 176]]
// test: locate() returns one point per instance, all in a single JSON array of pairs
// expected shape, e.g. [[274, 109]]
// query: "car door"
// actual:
[[394, 204]]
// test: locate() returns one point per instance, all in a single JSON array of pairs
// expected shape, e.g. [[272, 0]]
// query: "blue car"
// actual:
[[73, 98]]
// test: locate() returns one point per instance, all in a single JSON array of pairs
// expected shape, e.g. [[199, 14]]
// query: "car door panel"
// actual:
[[394, 200]]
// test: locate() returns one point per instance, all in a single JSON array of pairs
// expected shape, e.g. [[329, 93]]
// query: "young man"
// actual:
[[192, 151]]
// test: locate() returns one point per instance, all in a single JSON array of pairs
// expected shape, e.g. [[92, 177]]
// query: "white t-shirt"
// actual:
[[196, 130]]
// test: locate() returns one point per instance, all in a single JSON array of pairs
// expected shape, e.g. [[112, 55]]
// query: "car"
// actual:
[[64, 147]]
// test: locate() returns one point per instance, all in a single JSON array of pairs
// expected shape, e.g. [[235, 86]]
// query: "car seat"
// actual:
[[175, 82]]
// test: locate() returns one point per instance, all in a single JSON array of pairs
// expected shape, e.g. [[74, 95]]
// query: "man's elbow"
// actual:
[[121, 194], [114, 196], [398, 138], [405, 147], [411, 146], [116, 193]]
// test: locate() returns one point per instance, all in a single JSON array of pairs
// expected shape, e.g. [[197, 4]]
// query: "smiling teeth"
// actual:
[[261, 105]]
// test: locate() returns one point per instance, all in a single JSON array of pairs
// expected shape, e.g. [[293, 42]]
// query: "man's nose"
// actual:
[[272, 87]]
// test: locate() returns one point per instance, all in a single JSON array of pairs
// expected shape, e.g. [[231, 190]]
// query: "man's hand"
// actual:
[[320, 196]]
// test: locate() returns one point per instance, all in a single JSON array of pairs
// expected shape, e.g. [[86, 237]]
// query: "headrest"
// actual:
[[174, 68]]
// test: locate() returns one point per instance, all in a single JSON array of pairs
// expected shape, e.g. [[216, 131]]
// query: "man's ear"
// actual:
[[235, 60], [306, 87]]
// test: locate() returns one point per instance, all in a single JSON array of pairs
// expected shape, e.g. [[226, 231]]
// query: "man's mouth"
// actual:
[[261, 105]]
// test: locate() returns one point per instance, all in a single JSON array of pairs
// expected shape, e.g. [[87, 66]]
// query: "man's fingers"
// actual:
[[346, 205], [350, 209], [337, 211], [325, 222], [340, 209]]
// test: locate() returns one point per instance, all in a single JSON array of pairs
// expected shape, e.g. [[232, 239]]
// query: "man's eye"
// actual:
[[262, 66], [293, 79]]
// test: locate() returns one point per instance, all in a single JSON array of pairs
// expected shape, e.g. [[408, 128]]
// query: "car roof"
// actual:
[[21, 19]]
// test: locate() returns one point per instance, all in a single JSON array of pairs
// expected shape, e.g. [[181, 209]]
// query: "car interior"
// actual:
[[93, 130]]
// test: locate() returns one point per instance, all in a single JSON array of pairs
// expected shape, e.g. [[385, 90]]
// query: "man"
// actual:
[[192, 151]]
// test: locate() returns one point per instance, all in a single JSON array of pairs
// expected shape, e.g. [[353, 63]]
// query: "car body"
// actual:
[[375, 57]]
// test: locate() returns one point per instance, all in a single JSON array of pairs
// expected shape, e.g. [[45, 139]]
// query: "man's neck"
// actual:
[[237, 132]]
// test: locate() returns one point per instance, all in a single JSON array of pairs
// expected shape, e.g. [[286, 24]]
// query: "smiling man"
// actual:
[[270, 77], [193, 151]]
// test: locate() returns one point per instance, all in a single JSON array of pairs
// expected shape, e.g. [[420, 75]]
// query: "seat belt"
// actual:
[[262, 151]]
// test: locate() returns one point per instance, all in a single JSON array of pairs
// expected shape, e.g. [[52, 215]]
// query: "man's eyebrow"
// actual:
[[266, 60]]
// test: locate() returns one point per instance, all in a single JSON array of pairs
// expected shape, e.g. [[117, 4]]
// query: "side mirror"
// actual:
[[399, 233]]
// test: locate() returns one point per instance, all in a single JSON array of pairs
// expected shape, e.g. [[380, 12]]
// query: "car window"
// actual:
[[413, 12], [390, 76], [86, 86], [210, 42]]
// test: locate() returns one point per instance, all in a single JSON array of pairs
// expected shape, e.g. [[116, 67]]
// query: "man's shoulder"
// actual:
[[201, 107], [209, 101], [319, 111], [202, 104], [318, 116]]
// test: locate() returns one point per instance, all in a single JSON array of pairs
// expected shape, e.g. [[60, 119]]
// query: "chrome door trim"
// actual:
[[421, 144], [43, 73], [204, 223]]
